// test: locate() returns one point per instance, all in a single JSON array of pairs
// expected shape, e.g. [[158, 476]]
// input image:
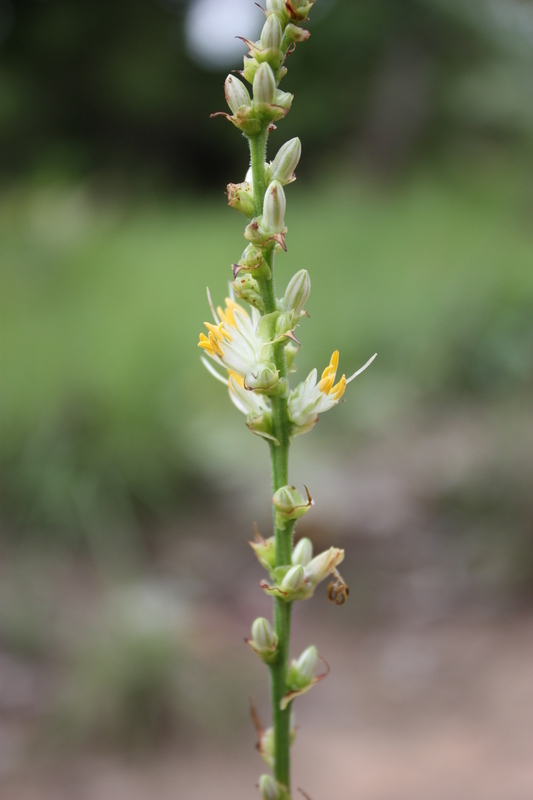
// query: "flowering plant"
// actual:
[[252, 352]]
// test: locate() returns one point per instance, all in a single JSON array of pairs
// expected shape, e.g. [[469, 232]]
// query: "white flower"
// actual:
[[233, 343], [311, 398]]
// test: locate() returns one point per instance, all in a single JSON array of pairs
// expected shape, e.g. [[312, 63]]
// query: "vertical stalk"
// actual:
[[279, 455]]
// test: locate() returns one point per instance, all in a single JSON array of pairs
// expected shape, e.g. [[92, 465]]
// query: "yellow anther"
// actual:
[[328, 376], [215, 345], [337, 391], [326, 383], [227, 314], [218, 331], [211, 344]]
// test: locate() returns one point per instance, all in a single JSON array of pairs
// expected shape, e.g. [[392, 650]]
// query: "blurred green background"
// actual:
[[128, 482]]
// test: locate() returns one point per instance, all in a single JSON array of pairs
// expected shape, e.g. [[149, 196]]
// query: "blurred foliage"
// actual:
[[108, 86]]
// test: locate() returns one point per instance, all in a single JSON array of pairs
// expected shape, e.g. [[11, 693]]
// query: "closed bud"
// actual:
[[284, 101], [272, 33], [297, 293], [298, 9], [274, 207], [303, 552], [305, 666], [263, 635], [295, 34], [275, 7], [262, 378], [285, 323], [265, 550], [264, 84], [293, 580], [290, 505], [241, 197], [286, 161], [268, 788], [237, 94], [250, 68], [247, 289]]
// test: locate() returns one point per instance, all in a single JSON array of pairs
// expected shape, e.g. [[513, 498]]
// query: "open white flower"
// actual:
[[312, 397], [233, 343]]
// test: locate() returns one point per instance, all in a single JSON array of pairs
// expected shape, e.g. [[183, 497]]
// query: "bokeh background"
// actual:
[[128, 482]]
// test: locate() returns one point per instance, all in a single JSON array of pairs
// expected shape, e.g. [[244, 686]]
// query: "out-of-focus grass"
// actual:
[[102, 301]]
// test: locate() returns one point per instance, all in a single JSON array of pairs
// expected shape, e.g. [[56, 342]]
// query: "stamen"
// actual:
[[359, 371], [338, 390], [326, 383]]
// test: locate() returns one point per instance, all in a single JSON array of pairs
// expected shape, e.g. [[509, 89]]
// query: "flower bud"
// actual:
[[265, 550], [290, 505], [264, 84], [268, 788], [302, 672], [286, 161], [241, 197], [295, 34], [250, 68], [298, 9], [285, 323], [274, 207], [262, 634], [297, 293], [237, 94], [262, 378], [284, 101], [247, 289], [303, 552], [293, 580], [251, 260], [272, 33], [275, 7]]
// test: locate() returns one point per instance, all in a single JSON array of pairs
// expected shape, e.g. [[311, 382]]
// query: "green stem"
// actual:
[[279, 454]]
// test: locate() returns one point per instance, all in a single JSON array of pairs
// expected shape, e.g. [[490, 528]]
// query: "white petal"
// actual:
[[210, 368]]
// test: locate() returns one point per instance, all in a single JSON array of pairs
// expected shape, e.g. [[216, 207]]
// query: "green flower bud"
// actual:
[[268, 788], [241, 197], [261, 424], [293, 580], [284, 323], [285, 162], [264, 84], [250, 68], [276, 7], [247, 289], [290, 505], [303, 552], [294, 34], [302, 672], [297, 293], [307, 664], [263, 635], [272, 33], [237, 94], [284, 101], [298, 9], [264, 377], [265, 550], [274, 206]]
